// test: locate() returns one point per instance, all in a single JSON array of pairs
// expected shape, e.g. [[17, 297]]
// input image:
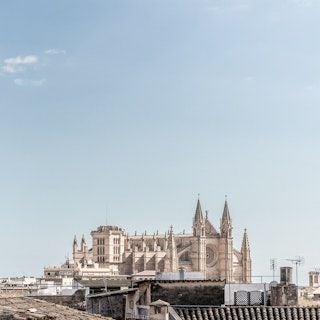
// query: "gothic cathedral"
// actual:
[[204, 250]]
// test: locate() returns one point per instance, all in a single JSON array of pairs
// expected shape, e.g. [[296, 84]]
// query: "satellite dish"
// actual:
[[273, 284]]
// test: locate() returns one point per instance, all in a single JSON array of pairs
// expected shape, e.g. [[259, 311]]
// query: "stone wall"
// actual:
[[73, 301], [284, 295], [188, 293], [108, 306]]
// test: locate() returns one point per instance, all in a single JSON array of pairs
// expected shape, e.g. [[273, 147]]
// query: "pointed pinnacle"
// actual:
[[226, 213], [198, 215]]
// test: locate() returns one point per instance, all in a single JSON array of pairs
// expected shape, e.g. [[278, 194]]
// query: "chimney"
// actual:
[[286, 275]]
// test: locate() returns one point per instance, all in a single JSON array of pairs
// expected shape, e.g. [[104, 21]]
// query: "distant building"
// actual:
[[311, 293], [205, 250], [314, 277], [72, 269]]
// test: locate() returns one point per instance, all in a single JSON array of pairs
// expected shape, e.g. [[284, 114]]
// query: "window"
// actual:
[[100, 241]]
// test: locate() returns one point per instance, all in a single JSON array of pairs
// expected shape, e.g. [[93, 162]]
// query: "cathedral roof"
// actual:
[[210, 229]]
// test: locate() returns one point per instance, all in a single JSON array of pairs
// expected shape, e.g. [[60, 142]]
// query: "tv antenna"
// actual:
[[273, 267], [298, 261]]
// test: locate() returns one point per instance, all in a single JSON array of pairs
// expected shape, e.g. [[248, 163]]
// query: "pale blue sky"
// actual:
[[140, 105]]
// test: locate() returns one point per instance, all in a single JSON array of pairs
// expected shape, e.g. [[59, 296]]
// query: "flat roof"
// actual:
[[99, 283]]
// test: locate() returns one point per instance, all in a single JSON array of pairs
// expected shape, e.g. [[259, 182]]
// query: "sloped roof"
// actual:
[[28, 308], [246, 313], [111, 293], [159, 302]]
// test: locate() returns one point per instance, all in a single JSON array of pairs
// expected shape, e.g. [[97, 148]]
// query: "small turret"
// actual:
[[171, 260], [171, 241], [75, 244], [154, 241], [143, 243], [83, 243], [245, 247], [246, 258]]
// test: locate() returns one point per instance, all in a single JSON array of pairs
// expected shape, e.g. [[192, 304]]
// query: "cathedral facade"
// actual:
[[206, 250]]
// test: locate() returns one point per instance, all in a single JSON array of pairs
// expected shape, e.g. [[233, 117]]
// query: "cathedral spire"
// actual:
[[198, 221], [198, 215], [226, 214], [226, 223]]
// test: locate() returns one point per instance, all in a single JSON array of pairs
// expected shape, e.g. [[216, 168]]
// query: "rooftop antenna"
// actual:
[[273, 266], [298, 261], [106, 215]]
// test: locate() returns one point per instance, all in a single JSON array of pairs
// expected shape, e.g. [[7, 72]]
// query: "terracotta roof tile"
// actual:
[[247, 313]]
